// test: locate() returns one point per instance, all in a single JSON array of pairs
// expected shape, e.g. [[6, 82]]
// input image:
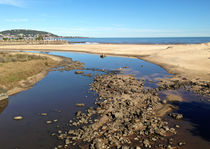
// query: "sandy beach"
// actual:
[[188, 60]]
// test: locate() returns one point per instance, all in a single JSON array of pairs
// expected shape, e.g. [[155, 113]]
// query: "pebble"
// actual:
[[55, 120], [164, 101], [18, 118], [48, 122], [80, 104], [44, 114]]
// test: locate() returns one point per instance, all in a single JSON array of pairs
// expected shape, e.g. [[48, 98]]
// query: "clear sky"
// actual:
[[109, 18]]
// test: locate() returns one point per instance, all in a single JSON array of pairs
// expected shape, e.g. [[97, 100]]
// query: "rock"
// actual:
[[44, 114], [78, 114], [146, 143], [99, 144], [180, 143], [48, 122], [102, 56], [125, 147], [174, 98], [55, 120], [79, 72], [67, 141], [88, 75], [80, 104], [123, 108], [176, 116], [18, 118], [164, 101]]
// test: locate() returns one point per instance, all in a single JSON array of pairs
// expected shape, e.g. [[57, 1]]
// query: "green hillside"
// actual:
[[26, 33]]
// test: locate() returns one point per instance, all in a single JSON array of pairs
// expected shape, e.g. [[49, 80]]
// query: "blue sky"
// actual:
[[109, 18]]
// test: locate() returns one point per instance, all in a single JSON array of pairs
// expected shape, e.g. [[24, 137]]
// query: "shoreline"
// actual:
[[188, 60], [30, 81]]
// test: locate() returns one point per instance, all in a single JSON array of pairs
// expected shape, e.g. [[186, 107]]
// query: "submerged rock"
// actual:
[[88, 75], [80, 104], [44, 114], [79, 72]]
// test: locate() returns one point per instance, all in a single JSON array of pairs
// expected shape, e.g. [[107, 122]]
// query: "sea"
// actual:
[[165, 40]]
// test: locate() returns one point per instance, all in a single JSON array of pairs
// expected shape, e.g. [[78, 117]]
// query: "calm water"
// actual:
[[58, 91], [57, 95], [174, 40]]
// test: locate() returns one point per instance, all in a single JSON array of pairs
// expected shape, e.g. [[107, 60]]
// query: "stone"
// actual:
[[164, 101], [18, 118], [79, 72], [146, 143], [55, 120], [176, 116], [48, 122], [88, 75], [67, 141], [44, 114], [80, 104]]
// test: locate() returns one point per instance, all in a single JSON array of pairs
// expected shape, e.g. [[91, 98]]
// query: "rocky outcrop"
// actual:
[[126, 113]]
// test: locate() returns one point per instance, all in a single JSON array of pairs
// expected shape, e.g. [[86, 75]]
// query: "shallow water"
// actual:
[[57, 95]]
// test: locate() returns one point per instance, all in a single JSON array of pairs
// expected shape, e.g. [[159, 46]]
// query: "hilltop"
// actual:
[[26, 33]]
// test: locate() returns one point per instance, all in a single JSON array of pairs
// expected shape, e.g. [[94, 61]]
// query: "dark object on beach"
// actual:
[[80, 104], [102, 55], [79, 72]]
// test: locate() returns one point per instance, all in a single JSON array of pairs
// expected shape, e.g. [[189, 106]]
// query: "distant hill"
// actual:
[[26, 33]]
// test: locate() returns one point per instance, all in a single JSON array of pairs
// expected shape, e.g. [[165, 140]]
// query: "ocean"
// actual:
[[168, 40]]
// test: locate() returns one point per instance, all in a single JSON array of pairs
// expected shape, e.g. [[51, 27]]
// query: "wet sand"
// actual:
[[188, 60]]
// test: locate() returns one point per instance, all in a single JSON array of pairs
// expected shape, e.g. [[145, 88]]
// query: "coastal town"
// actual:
[[12, 35]]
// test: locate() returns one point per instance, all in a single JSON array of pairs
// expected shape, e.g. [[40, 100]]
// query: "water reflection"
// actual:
[[198, 114], [3, 104]]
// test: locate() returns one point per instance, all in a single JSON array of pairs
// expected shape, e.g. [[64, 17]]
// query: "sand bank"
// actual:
[[188, 60]]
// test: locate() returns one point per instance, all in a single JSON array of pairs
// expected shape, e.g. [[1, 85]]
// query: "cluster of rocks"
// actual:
[[199, 87], [126, 117], [67, 64], [83, 74], [176, 116]]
